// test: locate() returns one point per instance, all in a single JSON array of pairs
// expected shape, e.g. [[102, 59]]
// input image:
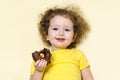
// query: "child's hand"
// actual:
[[40, 65]]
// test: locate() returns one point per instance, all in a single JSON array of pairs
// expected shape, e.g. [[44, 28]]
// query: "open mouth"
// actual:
[[60, 39]]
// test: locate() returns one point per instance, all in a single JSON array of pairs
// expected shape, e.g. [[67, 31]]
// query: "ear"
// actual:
[[47, 38], [74, 37]]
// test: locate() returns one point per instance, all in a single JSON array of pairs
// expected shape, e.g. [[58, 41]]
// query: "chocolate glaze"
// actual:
[[36, 55]]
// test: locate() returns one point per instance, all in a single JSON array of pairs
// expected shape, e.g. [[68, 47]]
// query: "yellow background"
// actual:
[[19, 36]]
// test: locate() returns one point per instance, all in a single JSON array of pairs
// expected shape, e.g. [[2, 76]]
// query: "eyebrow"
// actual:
[[69, 27]]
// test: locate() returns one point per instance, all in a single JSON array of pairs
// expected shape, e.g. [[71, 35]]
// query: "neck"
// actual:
[[53, 48]]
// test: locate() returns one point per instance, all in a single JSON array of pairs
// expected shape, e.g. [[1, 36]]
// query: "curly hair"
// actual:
[[80, 26]]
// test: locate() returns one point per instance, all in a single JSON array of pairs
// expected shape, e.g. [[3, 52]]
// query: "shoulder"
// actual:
[[77, 51]]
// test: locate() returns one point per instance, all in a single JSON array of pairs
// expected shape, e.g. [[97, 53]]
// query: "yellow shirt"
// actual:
[[65, 65]]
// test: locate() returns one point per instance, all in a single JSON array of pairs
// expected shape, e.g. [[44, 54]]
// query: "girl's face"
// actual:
[[60, 32]]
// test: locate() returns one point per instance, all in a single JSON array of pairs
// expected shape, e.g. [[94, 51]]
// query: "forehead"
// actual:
[[61, 20]]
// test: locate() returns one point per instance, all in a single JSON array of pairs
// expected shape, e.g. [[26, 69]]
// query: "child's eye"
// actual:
[[55, 28], [67, 29]]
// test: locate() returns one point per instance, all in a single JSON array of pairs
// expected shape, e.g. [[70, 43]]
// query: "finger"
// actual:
[[41, 64], [37, 62], [45, 63]]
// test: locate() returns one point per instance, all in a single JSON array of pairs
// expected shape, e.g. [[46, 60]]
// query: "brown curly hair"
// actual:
[[81, 27]]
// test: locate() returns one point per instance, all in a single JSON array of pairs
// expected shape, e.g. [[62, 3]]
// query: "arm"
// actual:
[[39, 70], [37, 75], [86, 74]]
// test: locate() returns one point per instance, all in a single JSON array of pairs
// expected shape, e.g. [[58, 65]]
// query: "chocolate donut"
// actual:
[[43, 54]]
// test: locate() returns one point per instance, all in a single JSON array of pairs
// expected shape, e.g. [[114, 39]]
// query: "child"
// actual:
[[62, 29]]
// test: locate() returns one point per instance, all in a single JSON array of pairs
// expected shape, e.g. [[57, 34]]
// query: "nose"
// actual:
[[61, 32]]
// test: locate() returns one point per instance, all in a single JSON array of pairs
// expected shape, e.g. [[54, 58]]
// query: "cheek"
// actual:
[[50, 36], [70, 36], [49, 33]]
